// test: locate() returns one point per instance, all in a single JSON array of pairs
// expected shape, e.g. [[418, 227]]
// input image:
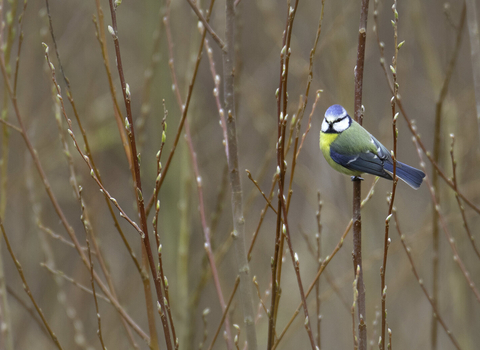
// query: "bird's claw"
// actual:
[[356, 178]]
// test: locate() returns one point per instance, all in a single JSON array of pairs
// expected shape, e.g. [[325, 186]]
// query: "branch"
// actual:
[[27, 288], [444, 226], [460, 206], [475, 51], [207, 26], [357, 223], [324, 264], [129, 126], [437, 145], [387, 240], [235, 183], [56, 205], [184, 111], [422, 285]]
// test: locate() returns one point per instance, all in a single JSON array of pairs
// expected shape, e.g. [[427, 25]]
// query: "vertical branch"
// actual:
[[92, 282], [129, 126], [475, 51], [355, 298], [387, 240], [7, 45], [88, 152], [436, 159], [324, 264], [459, 202], [282, 102], [10, 36], [100, 33], [160, 273], [413, 128], [184, 310], [357, 262], [319, 254], [236, 185], [48, 188], [184, 111], [357, 223], [443, 224], [27, 288], [196, 171], [278, 251], [420, 281]]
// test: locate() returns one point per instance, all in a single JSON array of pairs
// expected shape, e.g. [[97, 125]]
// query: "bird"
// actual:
[[352, 150]]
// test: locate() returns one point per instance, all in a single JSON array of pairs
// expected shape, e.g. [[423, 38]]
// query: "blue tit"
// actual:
[[350, 149]]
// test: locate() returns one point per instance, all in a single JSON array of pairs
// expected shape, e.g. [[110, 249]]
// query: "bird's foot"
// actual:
[[356, 178]]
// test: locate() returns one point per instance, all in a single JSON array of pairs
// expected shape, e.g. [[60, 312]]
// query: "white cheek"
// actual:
[[324, 126], [341, 125]]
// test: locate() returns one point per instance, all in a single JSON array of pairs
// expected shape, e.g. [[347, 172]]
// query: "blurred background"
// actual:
[[38, 239]]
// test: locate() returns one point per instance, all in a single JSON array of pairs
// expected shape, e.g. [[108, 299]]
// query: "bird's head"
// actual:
[[336, 120]]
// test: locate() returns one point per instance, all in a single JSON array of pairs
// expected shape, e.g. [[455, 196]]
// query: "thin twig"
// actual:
[[74, 282], [161, 275], [309, 125], [279, 238], [249, 174], [413, 130], [460, 206], [296, 120], [387, 240], [225, 312], [334, 287], [27, 288], [207, 26], [100, 32], [10, 125], [101, 37], [437, 147], [20, 42], [282, 102], [56, 204], [324, 264], [422, 285], [296, 152], [198, 181], [444, 226], [92, 281], [183, 111], [262, 215], [31, 311], [129, 126], [48, 253], [216, 94], [147, 84], [102, 189], [259, 294]]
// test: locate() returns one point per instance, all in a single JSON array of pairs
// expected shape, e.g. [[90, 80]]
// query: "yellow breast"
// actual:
[[325, 142]]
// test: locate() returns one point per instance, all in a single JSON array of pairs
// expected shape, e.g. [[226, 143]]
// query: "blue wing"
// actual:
[[376, 161], [366, 162]]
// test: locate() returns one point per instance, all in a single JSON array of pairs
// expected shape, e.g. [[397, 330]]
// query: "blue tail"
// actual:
[[411, 176]]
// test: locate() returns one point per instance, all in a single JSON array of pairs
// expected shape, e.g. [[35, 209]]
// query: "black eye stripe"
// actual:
[[336, 120]]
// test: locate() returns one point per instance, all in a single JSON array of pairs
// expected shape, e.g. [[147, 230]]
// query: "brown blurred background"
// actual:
[[429, 29]]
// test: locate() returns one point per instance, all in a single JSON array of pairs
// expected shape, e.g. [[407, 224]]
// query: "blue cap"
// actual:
[[335, 112]]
